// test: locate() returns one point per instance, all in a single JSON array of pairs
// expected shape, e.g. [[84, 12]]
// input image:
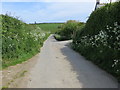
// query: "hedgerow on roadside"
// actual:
[[67, 30], [20, 41], [99, 39]]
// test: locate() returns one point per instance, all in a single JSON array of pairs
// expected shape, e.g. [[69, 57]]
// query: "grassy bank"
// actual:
[[20, 41]]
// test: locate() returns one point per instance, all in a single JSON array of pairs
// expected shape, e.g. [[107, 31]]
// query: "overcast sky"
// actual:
[[49, 10]]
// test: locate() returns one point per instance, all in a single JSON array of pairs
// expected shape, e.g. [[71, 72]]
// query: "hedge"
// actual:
[[20, 41], [99, 39], [66, 30]]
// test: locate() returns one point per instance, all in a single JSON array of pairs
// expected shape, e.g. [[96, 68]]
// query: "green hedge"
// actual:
[[67, 30], [20, 41], [99, 39]]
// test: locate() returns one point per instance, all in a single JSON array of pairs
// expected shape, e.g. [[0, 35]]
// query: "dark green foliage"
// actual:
[[99, 39], [60, 38], [68, 30], [102, 17], [20, 41]]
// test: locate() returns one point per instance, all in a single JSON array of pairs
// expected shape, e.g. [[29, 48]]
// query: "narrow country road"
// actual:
[[58, 66]]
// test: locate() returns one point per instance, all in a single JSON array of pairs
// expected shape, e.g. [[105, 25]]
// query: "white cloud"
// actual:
[[48, 0], [102, 1], [53, 11], [65, 11]]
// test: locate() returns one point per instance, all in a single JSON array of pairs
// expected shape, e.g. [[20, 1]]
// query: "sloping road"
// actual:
[[58, 66]]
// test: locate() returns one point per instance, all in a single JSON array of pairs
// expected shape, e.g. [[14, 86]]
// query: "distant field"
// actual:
[[52, 27]]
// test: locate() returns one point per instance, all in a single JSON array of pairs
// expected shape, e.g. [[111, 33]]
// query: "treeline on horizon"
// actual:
[[48, 23]]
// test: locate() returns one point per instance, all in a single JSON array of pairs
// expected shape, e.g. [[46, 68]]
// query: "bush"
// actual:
[[99, 39], [60, 38], [68, 29], [20, 41]]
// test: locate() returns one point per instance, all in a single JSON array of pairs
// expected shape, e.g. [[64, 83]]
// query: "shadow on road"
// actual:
[[88, 74]]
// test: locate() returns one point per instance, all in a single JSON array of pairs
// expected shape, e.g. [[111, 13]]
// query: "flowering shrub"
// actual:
[[102, 48], [99, 40], [20, 41]]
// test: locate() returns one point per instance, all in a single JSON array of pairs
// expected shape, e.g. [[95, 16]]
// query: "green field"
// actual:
[[49, 27]]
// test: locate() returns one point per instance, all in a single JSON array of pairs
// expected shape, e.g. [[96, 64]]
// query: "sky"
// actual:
[[40, 11]]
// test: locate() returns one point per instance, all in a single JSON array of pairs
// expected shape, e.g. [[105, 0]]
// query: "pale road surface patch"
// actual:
[[58, 66]]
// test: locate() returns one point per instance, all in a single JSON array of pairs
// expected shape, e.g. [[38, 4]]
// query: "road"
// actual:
[[59, 66]]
